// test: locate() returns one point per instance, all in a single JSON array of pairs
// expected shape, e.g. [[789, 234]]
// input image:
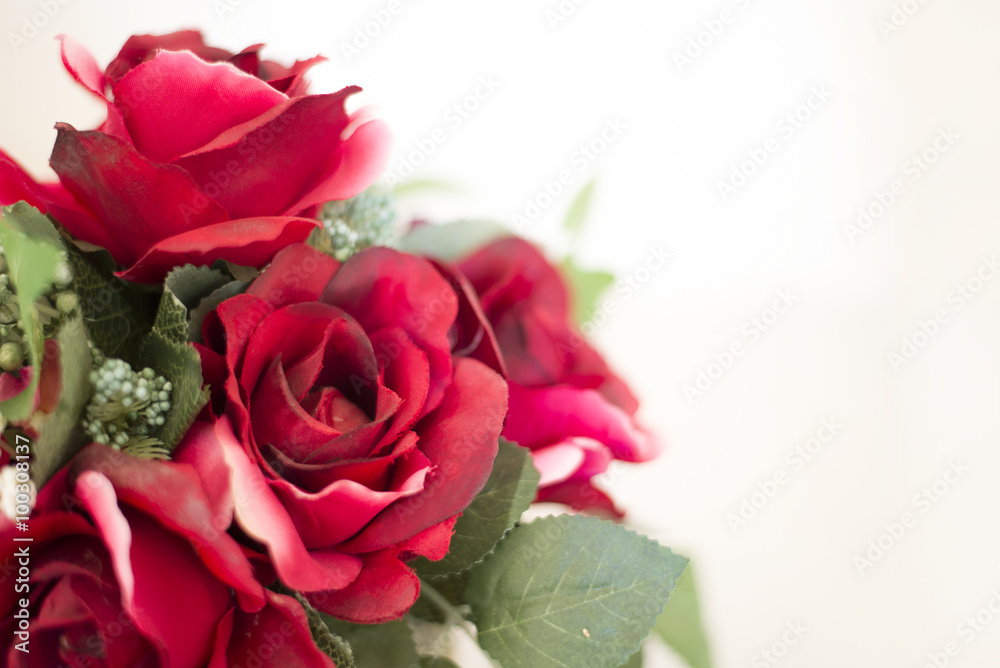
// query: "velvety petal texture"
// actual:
[[132, 566], [204, 155], [566, 405], [348, 433]]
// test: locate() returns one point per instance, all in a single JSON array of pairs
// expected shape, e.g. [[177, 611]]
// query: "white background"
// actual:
[[687, 128]]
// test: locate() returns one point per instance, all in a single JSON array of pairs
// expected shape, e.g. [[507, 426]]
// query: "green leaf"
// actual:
[[578, 209], [114, 312], [507, 494], [451, 241], [387, 645], [59, 433], [634, 661], [326, 640], [179, 363], [450, 587], [33, 251], [435, 662], [587, 287], [424, 185], [183, 289], [680, 624], [191, 284], [569, 591], [207, 304]]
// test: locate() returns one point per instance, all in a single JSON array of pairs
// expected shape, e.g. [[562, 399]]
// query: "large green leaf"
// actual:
[[570, 591], [680, 624], [387, 645], [33, 251], [507, 494], [450, 588], [179, 363]]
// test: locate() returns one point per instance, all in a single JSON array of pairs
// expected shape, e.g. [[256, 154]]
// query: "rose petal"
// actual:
[[167, 121], [461, 440], [139, 202], [250, 242], [280, 632], [385, 590], [542, 416]]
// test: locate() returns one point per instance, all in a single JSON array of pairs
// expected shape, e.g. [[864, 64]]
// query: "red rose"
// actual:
[[565, 404], [359, 435], [199, 161], [146, 578]]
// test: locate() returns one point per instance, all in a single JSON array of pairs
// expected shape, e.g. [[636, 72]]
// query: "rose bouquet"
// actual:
[[245, 424]]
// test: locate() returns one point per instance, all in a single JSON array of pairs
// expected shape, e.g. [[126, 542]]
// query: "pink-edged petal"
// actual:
[[541, 416], [156, 488], [97, 495], [557, 462], [139, 202], [166, 121], [298, 273], [250, 242], [460, 438], [385, 590], [383, 288], [281, 632], [264, 519]]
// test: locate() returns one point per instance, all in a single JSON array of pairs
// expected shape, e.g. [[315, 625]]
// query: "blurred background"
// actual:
[[823, 177]]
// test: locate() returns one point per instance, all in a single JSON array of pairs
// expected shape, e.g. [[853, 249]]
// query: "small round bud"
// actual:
[[12, 356]]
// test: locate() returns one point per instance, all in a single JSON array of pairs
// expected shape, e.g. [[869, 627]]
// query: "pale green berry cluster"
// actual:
[[50, 310], [128, 408], [357, 223]]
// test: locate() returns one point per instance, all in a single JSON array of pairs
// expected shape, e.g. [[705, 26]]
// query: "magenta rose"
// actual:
[[199, 160], [353, 431], [130, 567], [566, 405]]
